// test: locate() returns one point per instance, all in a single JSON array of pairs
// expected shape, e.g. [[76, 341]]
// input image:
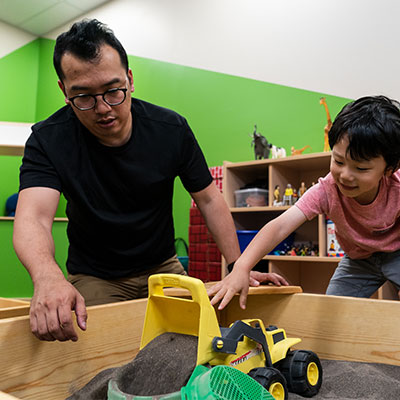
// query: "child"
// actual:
[[361, 195]]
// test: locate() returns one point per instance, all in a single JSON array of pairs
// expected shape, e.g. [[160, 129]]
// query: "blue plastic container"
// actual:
[[245, 237]]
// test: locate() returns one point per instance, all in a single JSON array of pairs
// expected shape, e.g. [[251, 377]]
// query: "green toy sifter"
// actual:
[[219, 383]]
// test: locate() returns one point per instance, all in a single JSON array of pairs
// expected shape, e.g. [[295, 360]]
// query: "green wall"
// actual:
[[221, 109]]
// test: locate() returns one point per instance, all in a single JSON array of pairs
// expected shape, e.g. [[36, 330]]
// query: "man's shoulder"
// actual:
[[59, 119], [157, 114]]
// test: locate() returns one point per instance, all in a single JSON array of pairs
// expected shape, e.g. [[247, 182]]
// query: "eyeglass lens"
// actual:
[[112, 97]]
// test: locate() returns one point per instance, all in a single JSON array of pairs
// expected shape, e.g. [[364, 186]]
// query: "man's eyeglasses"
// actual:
[[112, 97]]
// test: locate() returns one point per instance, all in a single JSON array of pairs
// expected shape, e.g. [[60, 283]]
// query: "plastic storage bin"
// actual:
[[245, 237], [253, 197]]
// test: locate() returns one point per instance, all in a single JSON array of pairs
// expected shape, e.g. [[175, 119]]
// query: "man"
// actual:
[[115, 159]]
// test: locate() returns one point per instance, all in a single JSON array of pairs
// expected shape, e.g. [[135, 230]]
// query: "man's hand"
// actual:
[[236, 282], [256, 278], [50, 312]]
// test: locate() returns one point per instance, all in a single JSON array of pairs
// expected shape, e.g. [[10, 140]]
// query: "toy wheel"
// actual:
[[303, 372], [273, 380]]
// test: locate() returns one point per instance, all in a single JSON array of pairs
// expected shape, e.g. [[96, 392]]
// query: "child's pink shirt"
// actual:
[[361, 230]]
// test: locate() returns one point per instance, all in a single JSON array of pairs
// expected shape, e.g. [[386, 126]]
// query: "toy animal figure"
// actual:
[[297, 152], [328, 126], [277, 152], [261, 146]]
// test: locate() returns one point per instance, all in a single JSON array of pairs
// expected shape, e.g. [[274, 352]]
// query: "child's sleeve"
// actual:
[[314, 201]]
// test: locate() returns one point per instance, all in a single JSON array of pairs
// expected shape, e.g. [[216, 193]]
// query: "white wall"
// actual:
[[12, 39], [347, 48]]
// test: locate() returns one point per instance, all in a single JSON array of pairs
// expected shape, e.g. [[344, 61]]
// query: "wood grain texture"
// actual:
[[339, 328], [260, 290], [32, 369], [13, 308], [333, 327]]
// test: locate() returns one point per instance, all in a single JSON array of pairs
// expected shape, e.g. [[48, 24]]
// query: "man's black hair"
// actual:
[[372, 125], [84, 41]]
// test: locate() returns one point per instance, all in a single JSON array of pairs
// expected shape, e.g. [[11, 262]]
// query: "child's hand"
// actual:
[[257, 277], [236, 282]]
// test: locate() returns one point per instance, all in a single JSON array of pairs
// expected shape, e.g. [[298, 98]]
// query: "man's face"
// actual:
[[110, 124]]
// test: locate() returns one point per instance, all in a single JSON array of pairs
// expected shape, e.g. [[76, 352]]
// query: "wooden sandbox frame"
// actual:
[[338, 328]]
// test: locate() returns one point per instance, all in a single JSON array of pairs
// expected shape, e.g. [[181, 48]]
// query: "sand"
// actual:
[[345, 380], [166, 363]]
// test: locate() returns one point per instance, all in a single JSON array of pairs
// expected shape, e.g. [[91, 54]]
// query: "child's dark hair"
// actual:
[[84, 40], [372, 125]]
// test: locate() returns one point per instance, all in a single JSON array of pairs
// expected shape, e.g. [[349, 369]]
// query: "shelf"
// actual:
[[11, 150], [258, 209], [318, 259], [57, 219], [312, 160]]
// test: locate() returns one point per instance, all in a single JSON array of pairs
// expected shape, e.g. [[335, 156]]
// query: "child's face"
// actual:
[[358, 179]]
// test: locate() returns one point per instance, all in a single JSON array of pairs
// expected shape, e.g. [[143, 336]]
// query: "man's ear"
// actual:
[[61, 86], [130, 79]]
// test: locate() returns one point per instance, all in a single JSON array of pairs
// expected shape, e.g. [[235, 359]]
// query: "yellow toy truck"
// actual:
[[263, 353]]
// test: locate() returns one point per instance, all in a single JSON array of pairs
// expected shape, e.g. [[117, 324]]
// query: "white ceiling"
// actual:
[[41, 16]]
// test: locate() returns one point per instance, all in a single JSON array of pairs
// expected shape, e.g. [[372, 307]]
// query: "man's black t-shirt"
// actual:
[[119, 199]]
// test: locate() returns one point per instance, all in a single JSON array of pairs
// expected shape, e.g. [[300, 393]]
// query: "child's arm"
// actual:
[[266, 240]]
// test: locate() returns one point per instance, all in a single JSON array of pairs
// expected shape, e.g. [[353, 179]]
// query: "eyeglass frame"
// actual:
[[94, 96]]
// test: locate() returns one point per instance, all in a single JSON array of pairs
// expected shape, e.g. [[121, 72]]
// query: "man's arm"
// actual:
[[220, 223], [54, 297]]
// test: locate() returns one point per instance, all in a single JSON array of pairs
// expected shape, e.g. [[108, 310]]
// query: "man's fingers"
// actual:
[[253, 282], [80, 312], [65, 323], [41, 330]]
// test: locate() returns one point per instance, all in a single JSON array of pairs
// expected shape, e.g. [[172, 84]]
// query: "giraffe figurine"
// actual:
[[328, 126]]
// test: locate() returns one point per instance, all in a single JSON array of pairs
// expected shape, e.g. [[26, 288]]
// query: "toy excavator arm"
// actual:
[[235, 333]]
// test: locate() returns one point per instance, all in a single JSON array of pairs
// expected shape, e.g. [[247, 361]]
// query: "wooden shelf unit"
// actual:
[[312, 273]]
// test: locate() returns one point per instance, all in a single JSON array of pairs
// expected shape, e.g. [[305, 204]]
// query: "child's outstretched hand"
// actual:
[[238, 281], [235, 282]]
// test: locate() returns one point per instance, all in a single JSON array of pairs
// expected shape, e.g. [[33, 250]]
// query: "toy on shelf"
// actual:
[[260, 143], [332, 245], [302, 189], [328, 126], [277, 196], [277, 152], [288, 195], [297, 152], [295, 196]]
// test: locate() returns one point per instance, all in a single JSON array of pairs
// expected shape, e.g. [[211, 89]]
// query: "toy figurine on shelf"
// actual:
[[277, 196], [328, 125], [302, 189], [288, 195], [295, 196], [260, 143], [297, 152], [277, 152]]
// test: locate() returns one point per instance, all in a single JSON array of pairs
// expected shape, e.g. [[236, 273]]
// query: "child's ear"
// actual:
[[389, 171]]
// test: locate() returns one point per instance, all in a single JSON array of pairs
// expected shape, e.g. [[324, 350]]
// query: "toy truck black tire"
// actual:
[[270, 377], [303, 372]]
